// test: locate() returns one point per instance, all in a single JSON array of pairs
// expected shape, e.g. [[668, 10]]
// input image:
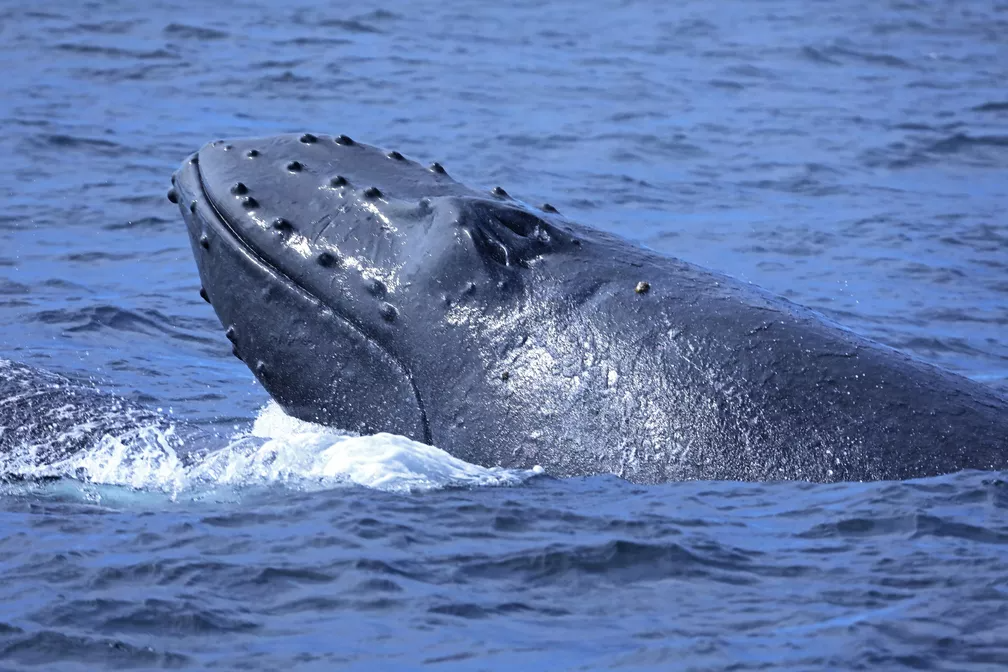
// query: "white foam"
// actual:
[[278, 449]]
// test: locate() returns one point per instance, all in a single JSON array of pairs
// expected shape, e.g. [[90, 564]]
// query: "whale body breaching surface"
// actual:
[[374, 293]]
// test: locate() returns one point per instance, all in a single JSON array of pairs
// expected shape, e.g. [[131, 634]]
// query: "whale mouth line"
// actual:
[[225, 227]]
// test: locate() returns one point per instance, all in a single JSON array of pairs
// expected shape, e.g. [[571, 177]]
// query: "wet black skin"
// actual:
[[373, 293]]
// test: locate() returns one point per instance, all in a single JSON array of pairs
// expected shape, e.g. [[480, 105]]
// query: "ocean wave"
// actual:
[[277, 450]]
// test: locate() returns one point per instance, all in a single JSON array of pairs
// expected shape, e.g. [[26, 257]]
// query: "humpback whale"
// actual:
[[370, 292]]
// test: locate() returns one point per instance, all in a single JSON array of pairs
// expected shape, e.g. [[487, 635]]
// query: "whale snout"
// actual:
[[323, 255], [295, 266], [338, 216], [341, 206]]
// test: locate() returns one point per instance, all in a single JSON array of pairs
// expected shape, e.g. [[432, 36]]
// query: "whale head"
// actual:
[[330, 262]]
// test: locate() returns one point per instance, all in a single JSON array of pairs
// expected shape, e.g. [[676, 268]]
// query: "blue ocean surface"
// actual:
[[851, 156]]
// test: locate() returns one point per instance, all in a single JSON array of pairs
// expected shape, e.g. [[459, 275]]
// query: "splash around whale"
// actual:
[[372, 293]]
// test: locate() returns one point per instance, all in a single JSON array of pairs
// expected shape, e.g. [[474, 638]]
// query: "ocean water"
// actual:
[[851, 155]]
